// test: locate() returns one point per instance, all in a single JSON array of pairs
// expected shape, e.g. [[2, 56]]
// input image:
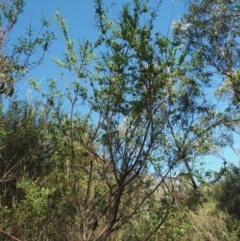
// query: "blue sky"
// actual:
[[79, 15]]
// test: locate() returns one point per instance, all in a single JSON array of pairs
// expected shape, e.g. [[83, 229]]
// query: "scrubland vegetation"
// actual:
[[131, 168]]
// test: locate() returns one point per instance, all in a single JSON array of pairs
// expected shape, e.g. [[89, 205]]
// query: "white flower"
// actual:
[[186, 27], [175, 24]]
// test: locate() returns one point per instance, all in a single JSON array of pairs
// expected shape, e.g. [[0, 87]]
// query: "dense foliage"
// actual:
[[130, 168]]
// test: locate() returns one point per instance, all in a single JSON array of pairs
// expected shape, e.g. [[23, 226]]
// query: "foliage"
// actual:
[[209, 32], [228, 192], [17, 61], [128, 168], [153, 115], [23, 146]]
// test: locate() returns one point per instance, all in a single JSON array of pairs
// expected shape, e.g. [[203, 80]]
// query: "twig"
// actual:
[[9, 235]]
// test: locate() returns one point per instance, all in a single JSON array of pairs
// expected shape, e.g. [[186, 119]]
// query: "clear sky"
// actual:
[[79, 15]]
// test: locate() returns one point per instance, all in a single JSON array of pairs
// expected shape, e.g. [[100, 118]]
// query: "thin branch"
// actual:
[[9, 235]]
